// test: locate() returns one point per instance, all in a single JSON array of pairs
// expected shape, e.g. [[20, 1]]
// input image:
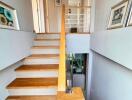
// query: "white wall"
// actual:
[[110, 81], [115, 45], [78, 43], [102, 13], [15, 45], [111, 70], [6, 77]]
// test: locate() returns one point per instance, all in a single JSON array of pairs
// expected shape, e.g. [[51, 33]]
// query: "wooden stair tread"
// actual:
[[38, 67], [47, 39], [43, 56], [48, 33], [46, 97], [33, 83], [45, 47]]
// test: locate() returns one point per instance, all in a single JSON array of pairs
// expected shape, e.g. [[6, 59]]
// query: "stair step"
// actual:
[[46, 67], [46, 97], [33, 86], [48, 36], [47, 43], [41, 61], [45, 50], [19, 83], [35, 56], [45, 47], [47, 39], [37, 71]]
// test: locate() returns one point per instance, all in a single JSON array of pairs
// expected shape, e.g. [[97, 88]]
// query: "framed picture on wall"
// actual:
[[8, 17], [58, 2], [129, 22], [118, 15]]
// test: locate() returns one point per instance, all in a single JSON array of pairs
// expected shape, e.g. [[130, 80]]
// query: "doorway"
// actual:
[[46, 15]]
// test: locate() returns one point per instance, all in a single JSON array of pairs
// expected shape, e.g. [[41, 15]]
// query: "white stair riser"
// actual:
[[41, 61], [35, 91], [48, 36], [46, 43], [45, 51], [37, 74]]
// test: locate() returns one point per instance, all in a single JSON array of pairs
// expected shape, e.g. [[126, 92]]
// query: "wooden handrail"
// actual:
[[62, 64]]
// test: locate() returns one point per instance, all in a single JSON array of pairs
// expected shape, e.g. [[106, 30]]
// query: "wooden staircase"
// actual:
[[37, 79], [43, 75]]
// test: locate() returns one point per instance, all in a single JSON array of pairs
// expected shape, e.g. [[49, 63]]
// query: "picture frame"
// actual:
[[58, 2], [129, 21], [8, 17], [118, 15]]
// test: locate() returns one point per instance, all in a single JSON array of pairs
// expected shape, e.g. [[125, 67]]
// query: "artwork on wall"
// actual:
[[129, 22], [8, 17], [118, 15], [58, 2]]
